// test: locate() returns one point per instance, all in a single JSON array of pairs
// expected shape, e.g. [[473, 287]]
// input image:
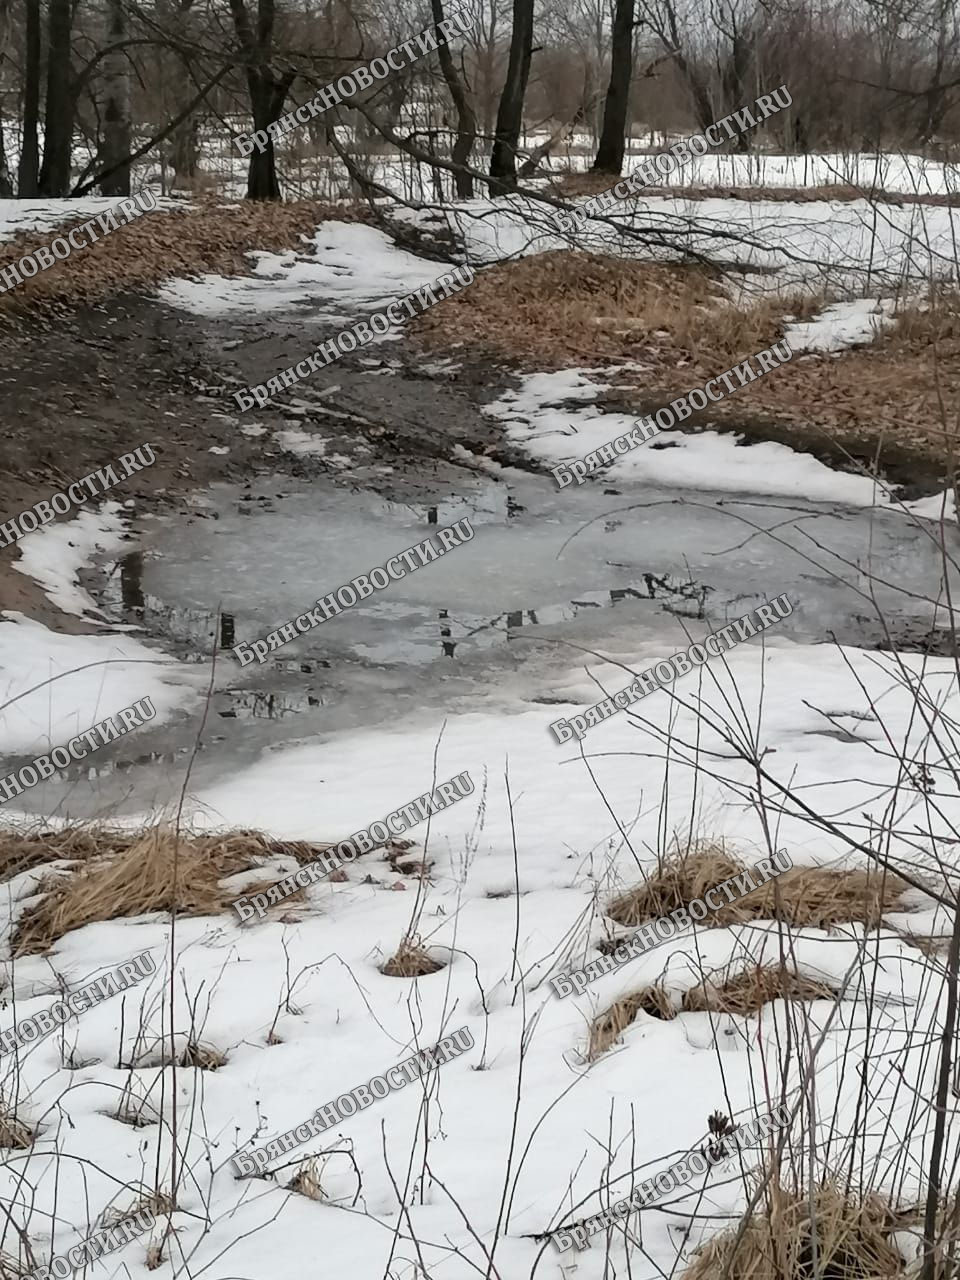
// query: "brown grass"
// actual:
[[888, 407], [11, 1269], [806, 897], [607, 1027], [747, 992], [853, 1239], [15, 1135], [551, 309], [571, 184], [306, 1181], [204, 1057], [132, 874], [740, 994], [410, 960], [208, 237], [195, 1053]]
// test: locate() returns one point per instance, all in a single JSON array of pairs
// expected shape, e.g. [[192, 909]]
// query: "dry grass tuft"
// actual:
[[23, 851], [411, 960], [852, 1239], [160, 1203], [15, 1134], [745, 993], [807, 897], [607, 1027], [557, 307], [193, 1053], [306, 1181], [202, 1056], [122, 875], [740, 994], [11, 1269]]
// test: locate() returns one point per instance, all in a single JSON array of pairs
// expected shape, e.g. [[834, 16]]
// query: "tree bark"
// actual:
[[267, 92], [267, 101], [115, 153], [466, 118], [613, 133], [503, 161], [6, 182], [183, 153], [28, 171], [58, 118]]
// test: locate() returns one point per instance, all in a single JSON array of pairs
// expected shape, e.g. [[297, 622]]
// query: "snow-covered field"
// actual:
[[832, 753]]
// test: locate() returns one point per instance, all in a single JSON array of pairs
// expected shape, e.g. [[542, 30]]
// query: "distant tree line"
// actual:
[[88, 87]]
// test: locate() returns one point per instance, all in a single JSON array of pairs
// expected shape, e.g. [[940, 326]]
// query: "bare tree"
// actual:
[[267, 90], [60, 103], [115, 151], [28, 172], [6, 183], [609, 157], [466, 117], [503, 161]]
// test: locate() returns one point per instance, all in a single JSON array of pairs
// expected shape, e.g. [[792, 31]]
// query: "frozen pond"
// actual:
[[548, 576]]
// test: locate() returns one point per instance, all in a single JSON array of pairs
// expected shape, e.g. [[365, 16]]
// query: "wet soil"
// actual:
[[133, 371]]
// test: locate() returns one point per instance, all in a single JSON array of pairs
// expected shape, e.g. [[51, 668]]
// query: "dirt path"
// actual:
[[131, 372]]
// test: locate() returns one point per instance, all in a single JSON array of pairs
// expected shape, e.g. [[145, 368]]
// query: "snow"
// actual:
[[344, 270], [44, 215], [906, 174], [854, 244], [301, 442], [578, 824], [298, 1003], [54, 686], [844, 324], [54, 554], [538, 420]]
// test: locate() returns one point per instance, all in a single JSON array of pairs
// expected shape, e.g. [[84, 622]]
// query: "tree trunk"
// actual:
[[612, 135], [6, 183], [58, 120], [262, 181], [115, 152], [734, 75], [503, 161], [28, 172], [183, 153], [267, 92], [466, 119]]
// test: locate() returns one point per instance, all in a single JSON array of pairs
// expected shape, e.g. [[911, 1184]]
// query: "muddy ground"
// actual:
[[132, 371]]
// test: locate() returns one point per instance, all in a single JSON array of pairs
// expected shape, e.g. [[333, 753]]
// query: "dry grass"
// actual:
[[889, 407], [11, 1269], [132, 874], [23, 851], [306, 1181], [208, 237], [607, 1027], [559, 307], [15, 1134], [204, 1057], [740, 995], [411, 960], [571, 184], [852, 1239], [747, 992], [195, 1053], [806, 897]]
